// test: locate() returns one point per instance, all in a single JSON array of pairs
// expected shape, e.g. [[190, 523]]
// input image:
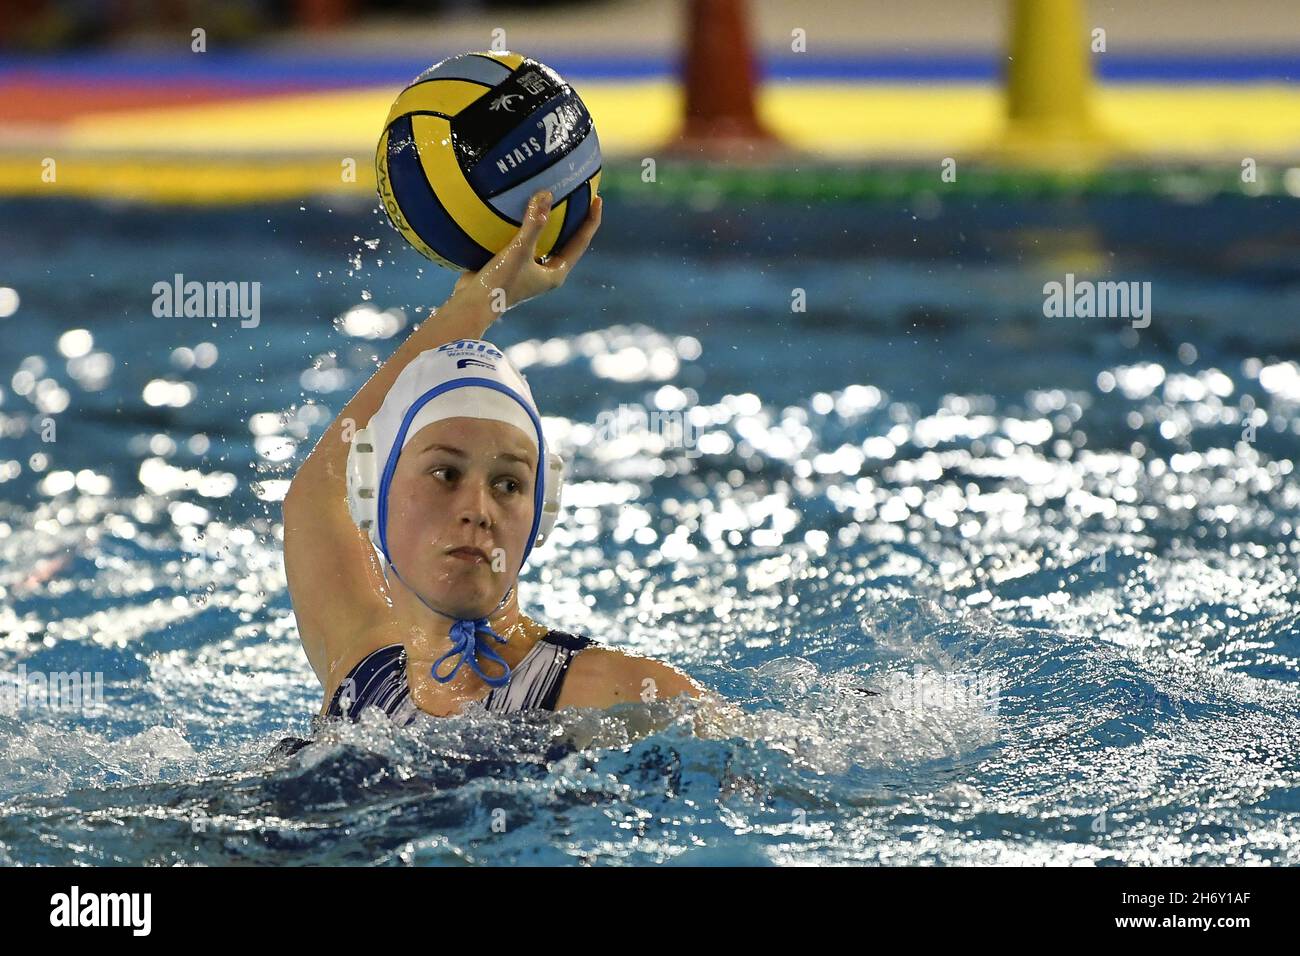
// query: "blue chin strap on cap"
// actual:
[[464, 641], [465, 379]]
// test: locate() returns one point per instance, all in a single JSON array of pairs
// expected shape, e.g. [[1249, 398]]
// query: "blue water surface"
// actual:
[[987, 586]]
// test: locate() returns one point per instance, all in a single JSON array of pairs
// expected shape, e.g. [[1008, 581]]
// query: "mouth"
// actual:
[[471, 555]]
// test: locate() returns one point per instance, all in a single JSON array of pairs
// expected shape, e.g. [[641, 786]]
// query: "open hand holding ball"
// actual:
[[518, 271]]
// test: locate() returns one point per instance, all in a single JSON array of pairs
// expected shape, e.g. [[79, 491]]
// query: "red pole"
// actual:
[[322, 14], [720, 76]]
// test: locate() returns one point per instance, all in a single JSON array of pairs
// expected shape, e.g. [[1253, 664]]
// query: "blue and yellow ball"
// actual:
[[466, 145]]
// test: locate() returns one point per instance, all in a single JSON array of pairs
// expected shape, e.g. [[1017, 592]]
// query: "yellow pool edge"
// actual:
[[319, 144]]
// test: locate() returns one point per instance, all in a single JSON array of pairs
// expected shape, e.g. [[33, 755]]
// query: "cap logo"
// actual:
[[469, 345]]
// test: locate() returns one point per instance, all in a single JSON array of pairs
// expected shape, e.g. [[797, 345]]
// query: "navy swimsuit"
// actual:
[[379, 680]]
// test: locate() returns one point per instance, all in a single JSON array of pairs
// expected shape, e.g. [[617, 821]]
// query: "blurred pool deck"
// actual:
[[1188, 83]]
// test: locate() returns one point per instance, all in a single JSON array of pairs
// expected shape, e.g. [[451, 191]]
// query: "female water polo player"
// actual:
[[406, 527]]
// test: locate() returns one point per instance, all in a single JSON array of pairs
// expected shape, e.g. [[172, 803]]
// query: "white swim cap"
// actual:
[[468, 378]]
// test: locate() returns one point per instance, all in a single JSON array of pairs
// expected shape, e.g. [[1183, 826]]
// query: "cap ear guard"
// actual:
[[363, 489], [551, 498], [363, 484]]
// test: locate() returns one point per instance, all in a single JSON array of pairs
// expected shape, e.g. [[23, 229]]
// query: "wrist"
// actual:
[[469, 305]]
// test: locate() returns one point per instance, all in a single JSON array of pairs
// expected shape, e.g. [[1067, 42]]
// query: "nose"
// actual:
[[473, 505]]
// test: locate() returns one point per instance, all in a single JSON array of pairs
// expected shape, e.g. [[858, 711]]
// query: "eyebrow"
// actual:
[[452, 450], [447, 448]]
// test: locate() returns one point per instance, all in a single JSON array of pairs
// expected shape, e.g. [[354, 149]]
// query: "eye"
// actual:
[[450, 470], [512, 485]]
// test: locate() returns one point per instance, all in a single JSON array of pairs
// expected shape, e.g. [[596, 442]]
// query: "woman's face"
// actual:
[[462, 483]]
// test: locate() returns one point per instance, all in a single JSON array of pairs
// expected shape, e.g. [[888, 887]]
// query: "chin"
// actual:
[[465, 602]]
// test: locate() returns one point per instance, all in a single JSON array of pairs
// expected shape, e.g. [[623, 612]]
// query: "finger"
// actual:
[[539, 208], [568, 257]]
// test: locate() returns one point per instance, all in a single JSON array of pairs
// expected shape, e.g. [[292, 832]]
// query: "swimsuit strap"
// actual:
[[536, 681]]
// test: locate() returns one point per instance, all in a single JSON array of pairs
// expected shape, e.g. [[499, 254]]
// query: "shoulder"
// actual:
[[601, 677]]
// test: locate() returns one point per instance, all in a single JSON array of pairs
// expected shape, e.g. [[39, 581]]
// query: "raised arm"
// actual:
[[335, 583]]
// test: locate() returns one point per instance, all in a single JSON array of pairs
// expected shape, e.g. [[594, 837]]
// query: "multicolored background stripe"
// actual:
[[246, 126]]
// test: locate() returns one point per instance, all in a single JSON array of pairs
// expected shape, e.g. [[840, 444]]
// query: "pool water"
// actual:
[[989, 587]]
